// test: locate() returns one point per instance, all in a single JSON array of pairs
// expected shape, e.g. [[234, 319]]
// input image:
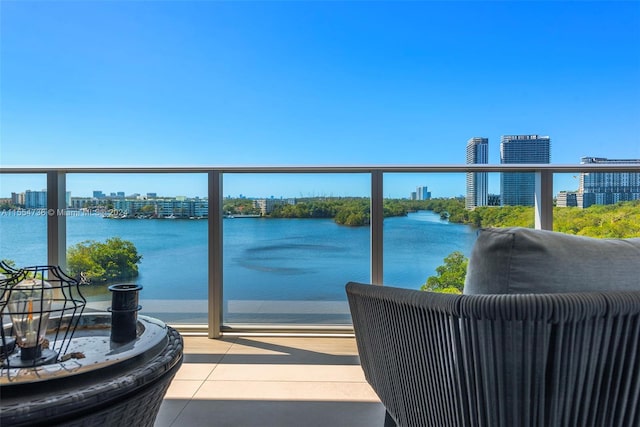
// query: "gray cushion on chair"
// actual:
[[522, 260]]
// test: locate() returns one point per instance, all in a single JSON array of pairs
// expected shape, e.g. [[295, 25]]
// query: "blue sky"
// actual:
[[193, 83]]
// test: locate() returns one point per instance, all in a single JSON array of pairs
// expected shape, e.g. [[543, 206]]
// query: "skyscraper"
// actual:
[[518, 188], [422, 193], [477, 182]]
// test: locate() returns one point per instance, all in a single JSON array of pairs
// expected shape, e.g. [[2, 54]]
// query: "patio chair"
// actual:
[[505, 359]]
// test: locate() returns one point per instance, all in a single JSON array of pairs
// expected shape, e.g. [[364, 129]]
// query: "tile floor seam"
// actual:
[[197, 388], [228, 352], [287, 381], [175, 420], [212, 371], [283, 381], [233, 342]]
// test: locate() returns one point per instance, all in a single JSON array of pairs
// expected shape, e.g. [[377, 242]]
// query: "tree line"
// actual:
[[349, 211], [620, 220]]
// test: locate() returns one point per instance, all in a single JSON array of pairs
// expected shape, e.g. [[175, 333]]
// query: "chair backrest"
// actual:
[[520, 260], [500, 360]]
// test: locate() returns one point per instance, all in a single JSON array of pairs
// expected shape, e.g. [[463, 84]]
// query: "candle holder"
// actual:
[[124, 312], [44, 305]]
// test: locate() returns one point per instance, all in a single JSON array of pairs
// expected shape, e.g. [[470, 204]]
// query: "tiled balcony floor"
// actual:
[[270, 381]]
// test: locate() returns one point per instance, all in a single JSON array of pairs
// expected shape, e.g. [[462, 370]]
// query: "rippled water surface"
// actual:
[[264, 259]]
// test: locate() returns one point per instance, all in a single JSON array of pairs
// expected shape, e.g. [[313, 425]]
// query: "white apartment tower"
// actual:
[[477, 182]]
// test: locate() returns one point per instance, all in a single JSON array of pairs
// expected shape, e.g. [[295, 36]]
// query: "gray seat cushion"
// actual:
[[524, 261]]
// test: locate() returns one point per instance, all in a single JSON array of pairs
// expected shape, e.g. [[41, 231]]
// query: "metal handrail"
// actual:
[[553, 168]]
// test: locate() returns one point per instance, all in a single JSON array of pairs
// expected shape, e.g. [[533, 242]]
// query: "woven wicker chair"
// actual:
[[500, 360]]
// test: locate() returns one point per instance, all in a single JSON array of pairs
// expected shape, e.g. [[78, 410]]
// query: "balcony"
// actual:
[[274, 374]]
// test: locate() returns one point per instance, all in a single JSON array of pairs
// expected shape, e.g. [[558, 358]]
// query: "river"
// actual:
[[264, 259]]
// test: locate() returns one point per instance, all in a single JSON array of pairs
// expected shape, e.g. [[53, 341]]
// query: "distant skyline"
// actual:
[[297, 83]]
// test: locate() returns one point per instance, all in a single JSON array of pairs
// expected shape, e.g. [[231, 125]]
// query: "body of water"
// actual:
[[264, 259]]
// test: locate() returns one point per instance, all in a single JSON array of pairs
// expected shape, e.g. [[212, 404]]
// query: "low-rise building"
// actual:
[[266, 206]]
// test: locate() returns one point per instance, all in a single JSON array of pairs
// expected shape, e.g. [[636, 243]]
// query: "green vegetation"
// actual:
[[351, 211], [354, 214], [7, 206], [6, 265], [97, 262], [319, 208], [148, 209], [239, 206], [453, 208], [450, 276], [621, 220], [506, 216]]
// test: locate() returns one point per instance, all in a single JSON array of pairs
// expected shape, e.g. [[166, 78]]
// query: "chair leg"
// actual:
[[388, 420]]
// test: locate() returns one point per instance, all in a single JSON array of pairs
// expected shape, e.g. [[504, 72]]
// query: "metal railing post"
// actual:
[[215, 253], [377, 220], [544, 200], [56, 219]]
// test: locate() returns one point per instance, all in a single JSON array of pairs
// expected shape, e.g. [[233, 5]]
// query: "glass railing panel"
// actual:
[[598, 204], [439, 232], [23, 219], [417, 242], [286, 258], [492, 211], [160, 218]]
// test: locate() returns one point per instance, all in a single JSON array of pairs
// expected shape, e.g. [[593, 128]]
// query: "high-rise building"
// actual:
[[518, 188], [423, 193], [17, 199], [477, 182], [605, 188], [35, 199]]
